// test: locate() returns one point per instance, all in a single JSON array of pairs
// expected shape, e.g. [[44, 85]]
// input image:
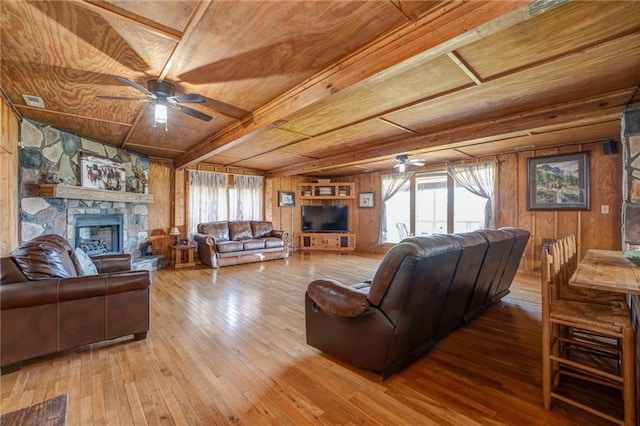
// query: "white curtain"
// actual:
[[478, 178], [246, 198], [207, 198], [391, 185]]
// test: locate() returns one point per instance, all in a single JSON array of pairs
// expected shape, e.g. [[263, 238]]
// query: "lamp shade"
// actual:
[[174, 231]]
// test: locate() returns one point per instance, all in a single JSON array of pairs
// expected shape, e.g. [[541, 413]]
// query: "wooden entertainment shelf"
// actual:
[[326, 241], [325, 191]]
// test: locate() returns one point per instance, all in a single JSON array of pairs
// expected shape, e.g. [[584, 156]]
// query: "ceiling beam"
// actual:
[[582, 111], [152, 27], [393, 53]]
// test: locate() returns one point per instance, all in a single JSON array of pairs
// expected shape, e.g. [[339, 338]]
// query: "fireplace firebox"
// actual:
[[98, 233]]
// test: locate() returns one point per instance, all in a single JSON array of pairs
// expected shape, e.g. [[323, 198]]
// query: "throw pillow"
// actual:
[[87, 265]]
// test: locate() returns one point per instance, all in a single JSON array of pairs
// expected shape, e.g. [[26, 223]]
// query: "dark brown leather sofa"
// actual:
[[424, 288], [241, 241], [47, 306]]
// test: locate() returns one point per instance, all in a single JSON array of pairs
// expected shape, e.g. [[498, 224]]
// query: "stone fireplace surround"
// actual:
[[49, 155]]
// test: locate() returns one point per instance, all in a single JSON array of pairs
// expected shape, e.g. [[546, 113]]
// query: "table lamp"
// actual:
[[174, 233]]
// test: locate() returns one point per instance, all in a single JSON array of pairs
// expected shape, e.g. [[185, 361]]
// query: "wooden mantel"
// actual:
[[81, 193]]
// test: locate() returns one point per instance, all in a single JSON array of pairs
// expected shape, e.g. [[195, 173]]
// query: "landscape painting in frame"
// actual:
[[559, 182], [102, 173]]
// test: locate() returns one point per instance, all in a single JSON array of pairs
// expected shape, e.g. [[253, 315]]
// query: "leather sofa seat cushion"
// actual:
[[272, 242], [229, 246], [42, 260], [261, 229], [240, 230], [252, 244], [219, 231]]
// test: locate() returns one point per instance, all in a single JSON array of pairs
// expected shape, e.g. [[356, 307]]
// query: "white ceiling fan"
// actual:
[[403, 161]]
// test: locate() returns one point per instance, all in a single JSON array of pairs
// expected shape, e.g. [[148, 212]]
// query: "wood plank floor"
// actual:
[[228, 346]]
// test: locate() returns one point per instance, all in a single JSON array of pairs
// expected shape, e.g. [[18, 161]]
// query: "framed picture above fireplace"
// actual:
[[102, 173]]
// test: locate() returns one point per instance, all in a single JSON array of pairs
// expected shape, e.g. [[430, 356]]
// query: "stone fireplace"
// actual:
[[98, 234], [630, 139]]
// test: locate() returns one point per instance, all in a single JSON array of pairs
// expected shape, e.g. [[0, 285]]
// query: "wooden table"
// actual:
[[182, 256], [607, 270]]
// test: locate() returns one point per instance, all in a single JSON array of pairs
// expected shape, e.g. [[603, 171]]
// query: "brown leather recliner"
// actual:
[[46, 305], [424, 288]]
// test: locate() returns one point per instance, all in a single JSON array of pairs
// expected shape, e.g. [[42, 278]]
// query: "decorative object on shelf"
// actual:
[[286, 199], [184, 242], [558, 182], [139, 182], [366, 200], [174, 232], [102, 173], [146, 248]]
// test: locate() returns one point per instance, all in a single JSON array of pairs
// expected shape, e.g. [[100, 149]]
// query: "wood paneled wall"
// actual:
[[591, 228], [9, 134], [161, 175]]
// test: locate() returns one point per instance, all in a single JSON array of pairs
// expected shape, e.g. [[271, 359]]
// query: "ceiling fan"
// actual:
[[403, 161], [162, 94]]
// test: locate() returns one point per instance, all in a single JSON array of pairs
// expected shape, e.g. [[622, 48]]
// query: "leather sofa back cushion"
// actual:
[[218, 230], [240, 230], [41, 260], [261, 229]]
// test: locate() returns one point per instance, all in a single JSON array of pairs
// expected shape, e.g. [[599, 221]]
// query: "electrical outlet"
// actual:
[[604, 209]]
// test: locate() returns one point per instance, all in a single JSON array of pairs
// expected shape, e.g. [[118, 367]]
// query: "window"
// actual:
[[212, 199], [431, 203], [456, 200]]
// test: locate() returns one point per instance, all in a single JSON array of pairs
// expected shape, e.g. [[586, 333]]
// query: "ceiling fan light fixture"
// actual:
[[160, 115], [402, 168]]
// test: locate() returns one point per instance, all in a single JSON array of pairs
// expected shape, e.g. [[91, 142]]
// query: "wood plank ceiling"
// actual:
[[327, 88]]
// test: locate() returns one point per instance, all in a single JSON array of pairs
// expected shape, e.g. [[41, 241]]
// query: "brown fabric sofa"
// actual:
[[424, 288], [46, 305], [233, 242]]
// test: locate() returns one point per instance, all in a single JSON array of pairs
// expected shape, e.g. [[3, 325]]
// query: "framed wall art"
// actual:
[[366, 200], [286, 199], [102, 173], [558, 182]]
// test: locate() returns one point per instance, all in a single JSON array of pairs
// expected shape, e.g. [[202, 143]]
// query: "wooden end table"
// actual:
[[182, 256]]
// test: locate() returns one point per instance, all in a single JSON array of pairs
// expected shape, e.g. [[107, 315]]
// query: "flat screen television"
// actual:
[[324, 219]]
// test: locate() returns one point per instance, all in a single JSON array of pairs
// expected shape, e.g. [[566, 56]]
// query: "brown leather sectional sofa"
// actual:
[[240, 241], [46, 305], [424, 288]]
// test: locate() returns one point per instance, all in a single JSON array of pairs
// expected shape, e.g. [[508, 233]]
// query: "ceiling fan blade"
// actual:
[[193, 98], [136, 86], [192, 112], [119, 98]]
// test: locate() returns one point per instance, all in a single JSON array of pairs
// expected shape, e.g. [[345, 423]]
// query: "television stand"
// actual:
[[340, 241]]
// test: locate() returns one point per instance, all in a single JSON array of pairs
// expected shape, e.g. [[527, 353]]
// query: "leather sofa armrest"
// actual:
[[336, 298], [106, 263], [205, 239], [279, 234]]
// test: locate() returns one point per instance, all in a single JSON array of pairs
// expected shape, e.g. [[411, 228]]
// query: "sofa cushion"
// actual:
[[219, 231], [240, 230], [252, 244], [44, 259], [86, 264], [272, 242], [261, 229], [229, 246]]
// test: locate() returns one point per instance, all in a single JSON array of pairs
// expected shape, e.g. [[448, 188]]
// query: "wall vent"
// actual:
[[34, 101]]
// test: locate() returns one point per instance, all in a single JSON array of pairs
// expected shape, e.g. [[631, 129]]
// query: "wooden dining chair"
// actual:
[[604, 321]]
